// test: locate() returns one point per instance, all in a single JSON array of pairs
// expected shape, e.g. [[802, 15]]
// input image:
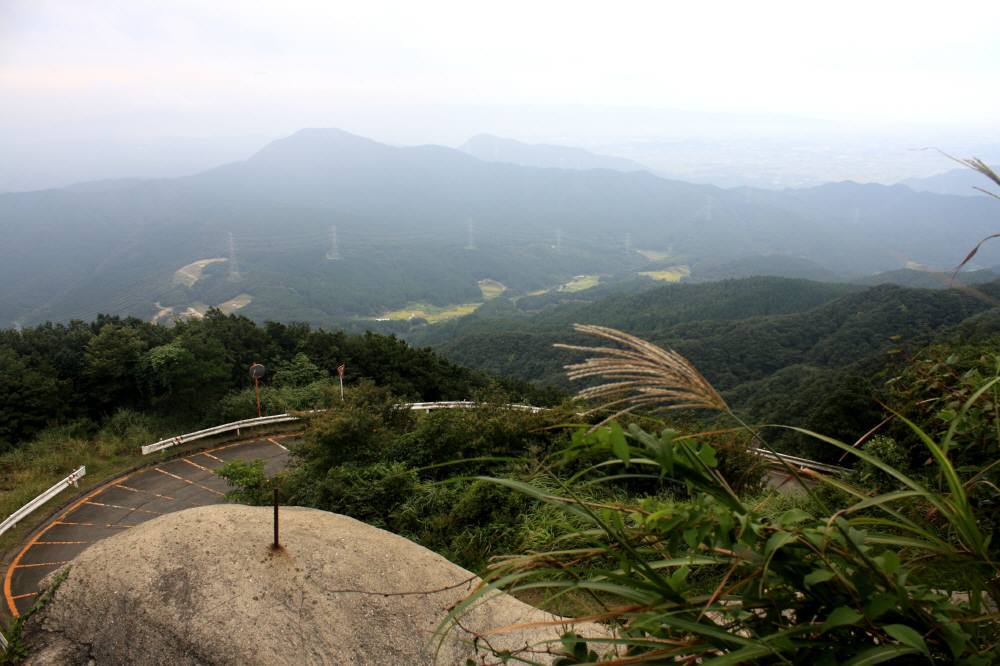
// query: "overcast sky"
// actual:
[[79, 69]]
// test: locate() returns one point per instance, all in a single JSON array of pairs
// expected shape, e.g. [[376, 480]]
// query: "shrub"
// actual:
[[824, 584]]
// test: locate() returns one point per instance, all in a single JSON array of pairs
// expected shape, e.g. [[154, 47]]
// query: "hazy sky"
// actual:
[[80, 69]]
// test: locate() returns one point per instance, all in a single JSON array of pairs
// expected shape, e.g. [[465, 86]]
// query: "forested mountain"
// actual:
[[327, 226], [651, 309], [774, 265], [927, 279], [774, 347]]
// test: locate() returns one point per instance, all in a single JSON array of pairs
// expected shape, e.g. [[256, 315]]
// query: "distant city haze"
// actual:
[[773, 94]]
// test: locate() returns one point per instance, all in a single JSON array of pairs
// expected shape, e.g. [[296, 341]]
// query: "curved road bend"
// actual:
[[127, 501]]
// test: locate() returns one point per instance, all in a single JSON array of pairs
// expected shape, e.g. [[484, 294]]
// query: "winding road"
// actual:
[[190, 481], [127, 501]]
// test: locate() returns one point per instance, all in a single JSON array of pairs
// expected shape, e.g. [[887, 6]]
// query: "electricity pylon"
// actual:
[[333, 254], [234, 274]]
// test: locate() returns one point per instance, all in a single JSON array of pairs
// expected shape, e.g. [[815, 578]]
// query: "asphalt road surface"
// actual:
[[127, 501]]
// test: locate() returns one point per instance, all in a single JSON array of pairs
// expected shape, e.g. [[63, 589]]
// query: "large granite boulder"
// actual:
[[203, 586]]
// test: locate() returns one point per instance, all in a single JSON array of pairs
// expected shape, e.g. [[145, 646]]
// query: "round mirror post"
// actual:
[[256, 372]]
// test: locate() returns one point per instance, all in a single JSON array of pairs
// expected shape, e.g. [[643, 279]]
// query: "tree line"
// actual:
[[57, 373]]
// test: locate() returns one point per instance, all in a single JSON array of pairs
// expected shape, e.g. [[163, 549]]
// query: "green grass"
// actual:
[[432, 313], [491, 288], [581, 282], [30, 469], [671, 274]]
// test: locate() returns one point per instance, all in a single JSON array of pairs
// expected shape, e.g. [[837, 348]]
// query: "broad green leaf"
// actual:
[[793, 517], [879, 654], [619, 446], [817, 576], [776, 541], [677, 579], [707, 455], [955, 638], [907, 636], [879, 605], [842, 615], [889, 561]]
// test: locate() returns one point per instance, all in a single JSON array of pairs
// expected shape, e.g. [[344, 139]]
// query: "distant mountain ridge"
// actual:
[[425, 224], [959, 182], [490, 148], [928, 279]]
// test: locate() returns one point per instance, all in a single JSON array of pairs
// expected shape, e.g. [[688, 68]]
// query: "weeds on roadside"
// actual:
[[842, 583], [16, 650]]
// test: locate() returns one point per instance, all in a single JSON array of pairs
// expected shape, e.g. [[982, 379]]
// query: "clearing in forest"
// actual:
[[581, 282], [672, 274], [491, 288], [432, 313], [235, 303], [188, 275]]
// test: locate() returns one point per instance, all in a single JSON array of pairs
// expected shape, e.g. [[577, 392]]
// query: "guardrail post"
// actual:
[[16, 517]]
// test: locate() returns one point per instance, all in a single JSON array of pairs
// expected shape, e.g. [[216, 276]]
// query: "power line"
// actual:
[[471, 245]]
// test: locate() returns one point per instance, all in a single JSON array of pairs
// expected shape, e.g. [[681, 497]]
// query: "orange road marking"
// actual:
[[181, 478], [17, 559], [190, 462], [15, 563], [76, 505], [25, 595], [145, 492], [40, 564], [275, 442], [127, 508]]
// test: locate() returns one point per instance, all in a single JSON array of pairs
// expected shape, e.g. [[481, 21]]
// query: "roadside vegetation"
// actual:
[[660, 526], [93, 393]]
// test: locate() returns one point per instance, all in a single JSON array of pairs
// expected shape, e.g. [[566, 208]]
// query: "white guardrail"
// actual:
[[426, 407], [16, 517], [286, 418]]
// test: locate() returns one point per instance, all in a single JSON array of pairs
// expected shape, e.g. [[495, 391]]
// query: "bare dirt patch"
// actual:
[[190, 274]]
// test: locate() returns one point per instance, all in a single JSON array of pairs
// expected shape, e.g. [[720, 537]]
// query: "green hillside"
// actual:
[[328, 227], [810, 352]]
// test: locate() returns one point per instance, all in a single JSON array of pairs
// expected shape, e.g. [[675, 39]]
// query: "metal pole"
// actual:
[[342, 388], [276, 545], [256, 386]]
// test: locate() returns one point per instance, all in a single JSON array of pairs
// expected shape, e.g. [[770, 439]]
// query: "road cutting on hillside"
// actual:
[[127, 501]]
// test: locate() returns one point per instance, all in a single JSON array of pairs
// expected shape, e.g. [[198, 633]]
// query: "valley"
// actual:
[[327, 227]]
